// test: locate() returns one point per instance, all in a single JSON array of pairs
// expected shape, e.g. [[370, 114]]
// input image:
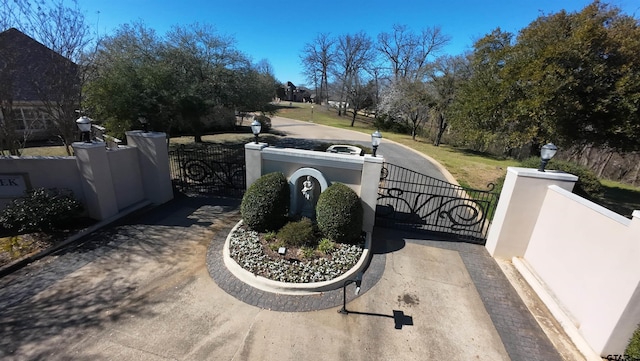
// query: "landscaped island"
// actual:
[[254, 253], [321, 242]]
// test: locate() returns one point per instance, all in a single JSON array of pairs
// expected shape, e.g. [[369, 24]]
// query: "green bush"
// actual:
[[41, 210], [275, 245], [308, 252], [633, 349], [265, 205], [297, 234], [387, 123], [588, 185], [270, 236], [339, 213], [265, 121], [326, 245], [219, 119]]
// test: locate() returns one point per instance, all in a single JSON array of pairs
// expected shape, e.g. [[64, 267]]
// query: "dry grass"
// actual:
[[53, 151], [214, 138]]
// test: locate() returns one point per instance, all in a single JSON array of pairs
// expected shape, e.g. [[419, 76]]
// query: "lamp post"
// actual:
[[84, 124], [376, 137], [358, 282], [546, 153], [255, 128], [145, 124]]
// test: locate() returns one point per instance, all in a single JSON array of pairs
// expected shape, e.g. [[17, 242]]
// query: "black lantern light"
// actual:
[[376, 138], [84, 124], [145, 124], [255, 128], [546, 153], [358, 282]]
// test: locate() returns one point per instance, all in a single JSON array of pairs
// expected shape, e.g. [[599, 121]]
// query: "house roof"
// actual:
[[29, 71]]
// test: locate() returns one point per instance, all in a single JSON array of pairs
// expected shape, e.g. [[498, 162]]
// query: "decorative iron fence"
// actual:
[[209, 168], [411, 200]]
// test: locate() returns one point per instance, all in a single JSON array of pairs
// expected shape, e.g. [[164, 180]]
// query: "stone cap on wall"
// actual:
[[313, 158], [547, 174], [141, 133]]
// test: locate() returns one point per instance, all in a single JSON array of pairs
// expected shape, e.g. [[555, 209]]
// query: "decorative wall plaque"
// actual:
[[13, 185]]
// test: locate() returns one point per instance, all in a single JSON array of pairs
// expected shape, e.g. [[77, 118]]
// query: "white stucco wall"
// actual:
[[522, 195], [46, 172], [360, 173], [589, 259], [125, 174], [346, 169], [105, 181]]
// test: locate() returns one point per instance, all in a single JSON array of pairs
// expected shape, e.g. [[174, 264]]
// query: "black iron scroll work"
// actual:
[[407, 199], [211, 168]]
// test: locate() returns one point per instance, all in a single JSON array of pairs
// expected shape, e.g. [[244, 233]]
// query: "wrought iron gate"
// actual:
[[411, 200], [209, 168]]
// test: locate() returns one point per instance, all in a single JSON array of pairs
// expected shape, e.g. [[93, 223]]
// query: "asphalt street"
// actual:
[[391, 151]]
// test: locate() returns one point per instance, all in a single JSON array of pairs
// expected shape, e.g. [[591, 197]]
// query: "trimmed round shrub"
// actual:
[[633, 348], [339, 213], [265, 205], [40, 209], [297, 234]]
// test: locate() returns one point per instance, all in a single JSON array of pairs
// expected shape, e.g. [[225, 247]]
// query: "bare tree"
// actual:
[[361, 96], [408, 52], [354, 54], [10, 14], [409, 101], [57, 83], [317, 60]]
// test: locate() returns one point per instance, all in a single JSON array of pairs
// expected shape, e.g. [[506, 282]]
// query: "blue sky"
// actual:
[[278, 30]]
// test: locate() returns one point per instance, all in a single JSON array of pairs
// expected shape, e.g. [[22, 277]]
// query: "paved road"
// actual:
[[392, 152]]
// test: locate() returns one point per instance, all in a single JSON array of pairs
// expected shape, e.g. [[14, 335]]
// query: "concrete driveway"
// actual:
[[142, 291]]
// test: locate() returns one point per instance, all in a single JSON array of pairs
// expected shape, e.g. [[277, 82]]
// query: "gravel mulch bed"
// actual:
[[253, 254]]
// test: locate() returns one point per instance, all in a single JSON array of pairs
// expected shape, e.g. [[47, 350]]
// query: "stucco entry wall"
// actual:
[[360, 173]]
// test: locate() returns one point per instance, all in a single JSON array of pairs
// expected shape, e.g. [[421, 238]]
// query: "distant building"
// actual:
[[34, 81], [291, 93]]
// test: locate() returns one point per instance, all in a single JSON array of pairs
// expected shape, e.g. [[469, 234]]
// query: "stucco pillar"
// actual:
[[153, 156], [253, 161], [369, 184], [517, 211], [95, 176]]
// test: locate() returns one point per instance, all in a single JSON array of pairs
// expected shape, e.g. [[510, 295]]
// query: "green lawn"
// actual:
[[53, 151], [470, 169]]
